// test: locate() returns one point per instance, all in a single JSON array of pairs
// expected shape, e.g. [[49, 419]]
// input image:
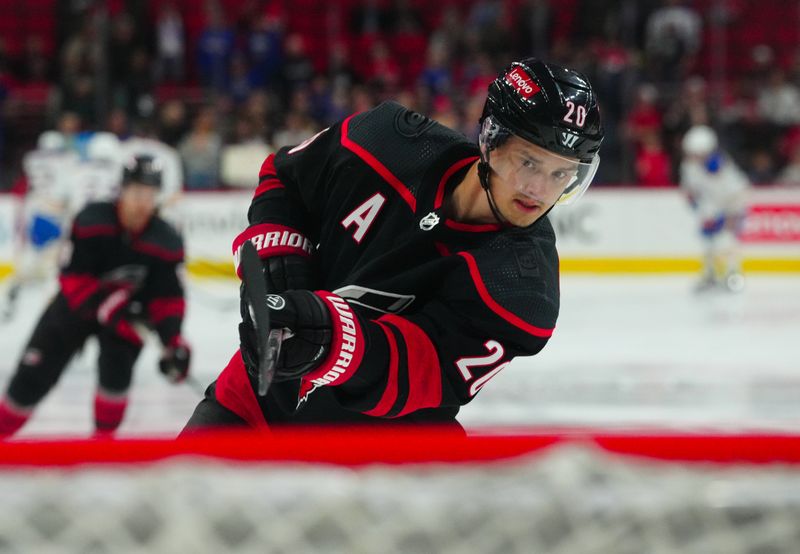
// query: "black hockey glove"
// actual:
[[174, 362], [282, 273], [306, 325], [114, 290]]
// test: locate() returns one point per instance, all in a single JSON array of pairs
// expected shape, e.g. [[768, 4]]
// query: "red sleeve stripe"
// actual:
[[437, 203], [381, 169], [89, 231], [162, 308], [271, 239], [77, 288], [424, 369], [347, 345], [158, 252], [268, 168], [497, 308], [268, 184], [389, 396], [268, 176]]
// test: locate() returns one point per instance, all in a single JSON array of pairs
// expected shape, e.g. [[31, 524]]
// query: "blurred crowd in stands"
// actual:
[[227, 81]]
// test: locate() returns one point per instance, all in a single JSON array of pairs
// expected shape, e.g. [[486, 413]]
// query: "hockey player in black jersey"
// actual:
[[409, 266], [122, 270]]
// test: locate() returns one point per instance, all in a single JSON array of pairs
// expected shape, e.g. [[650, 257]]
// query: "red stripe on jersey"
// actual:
[[268, 168], [347, 344], [497, 308], [162, 308], [158, 251], [269, 184], [78, 287], [271, 239], [390, 392], [234, 391], [88, 231], [470, 228], [424, 370], [381, 169], [267, 177], [437, 203]]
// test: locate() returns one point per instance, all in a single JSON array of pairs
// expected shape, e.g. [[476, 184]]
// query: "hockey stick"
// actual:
[[255, 290]]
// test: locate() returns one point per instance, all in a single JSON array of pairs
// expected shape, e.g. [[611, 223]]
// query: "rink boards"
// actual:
[[611, 230]]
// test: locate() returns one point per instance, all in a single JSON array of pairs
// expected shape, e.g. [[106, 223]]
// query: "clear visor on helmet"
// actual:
[[537, 172], [579, 182]]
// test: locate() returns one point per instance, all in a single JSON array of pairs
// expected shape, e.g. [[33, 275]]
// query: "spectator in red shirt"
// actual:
[[653, 164], [645, 116]]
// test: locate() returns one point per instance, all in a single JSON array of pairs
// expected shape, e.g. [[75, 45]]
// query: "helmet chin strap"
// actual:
[[484, 170]]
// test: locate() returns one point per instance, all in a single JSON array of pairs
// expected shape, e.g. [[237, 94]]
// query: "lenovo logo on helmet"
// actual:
[[522, 82]]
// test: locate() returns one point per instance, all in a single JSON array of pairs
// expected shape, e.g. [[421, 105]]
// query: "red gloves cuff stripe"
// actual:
[[272, 240], [347, 344]]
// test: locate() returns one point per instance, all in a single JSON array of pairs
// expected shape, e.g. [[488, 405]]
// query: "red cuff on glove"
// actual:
[[272, 240], [347, 344]]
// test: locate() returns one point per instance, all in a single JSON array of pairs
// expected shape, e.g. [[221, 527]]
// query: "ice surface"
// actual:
[[628, 352]]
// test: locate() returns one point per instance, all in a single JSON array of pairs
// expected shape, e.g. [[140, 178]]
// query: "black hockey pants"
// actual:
[[58, 335]]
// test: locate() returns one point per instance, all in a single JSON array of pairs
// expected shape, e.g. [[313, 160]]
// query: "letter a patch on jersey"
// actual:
[[364, 215]]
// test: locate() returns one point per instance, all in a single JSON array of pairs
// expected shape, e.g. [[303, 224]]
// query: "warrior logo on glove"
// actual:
[[275, 302]]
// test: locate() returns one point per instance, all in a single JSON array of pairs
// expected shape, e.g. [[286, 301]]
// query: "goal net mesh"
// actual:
[[569, 498]]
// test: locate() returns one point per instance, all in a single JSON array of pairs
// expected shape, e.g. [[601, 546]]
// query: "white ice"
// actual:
[[628, 352]]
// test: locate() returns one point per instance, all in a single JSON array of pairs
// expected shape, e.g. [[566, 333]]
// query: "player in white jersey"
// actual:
[[44, 214], [97, 177], [717, 190]]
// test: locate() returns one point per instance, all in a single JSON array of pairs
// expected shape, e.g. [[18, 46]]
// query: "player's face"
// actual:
[[527, 180], [137, 204]]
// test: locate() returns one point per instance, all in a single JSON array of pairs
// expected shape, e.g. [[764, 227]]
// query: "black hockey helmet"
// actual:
[[548, 105], [144, 170]]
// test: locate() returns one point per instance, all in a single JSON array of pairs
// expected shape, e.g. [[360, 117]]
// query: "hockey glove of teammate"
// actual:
[[114, 290], [306, 325], [174, 362]]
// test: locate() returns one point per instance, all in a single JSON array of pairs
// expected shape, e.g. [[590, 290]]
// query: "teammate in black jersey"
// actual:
[[408, 265], [122, 270]]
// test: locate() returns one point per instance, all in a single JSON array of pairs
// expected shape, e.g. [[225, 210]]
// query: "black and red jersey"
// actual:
[[139, 270], [430, 308]]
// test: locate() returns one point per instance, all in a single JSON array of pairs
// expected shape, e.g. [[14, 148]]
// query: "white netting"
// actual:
[[566, 500]]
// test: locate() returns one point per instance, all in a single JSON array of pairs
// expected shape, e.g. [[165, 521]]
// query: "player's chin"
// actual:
[[525, 213]]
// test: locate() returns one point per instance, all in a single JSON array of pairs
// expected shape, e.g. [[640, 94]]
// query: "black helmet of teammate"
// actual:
[[144, 170], [548, 105]]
